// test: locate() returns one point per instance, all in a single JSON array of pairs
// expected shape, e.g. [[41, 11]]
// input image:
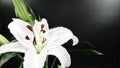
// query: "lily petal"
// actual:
[[13, 47], [42, 25], [34, 60], [40, 28], [62, 54], [59, 35], [21, 32], [75, 40]]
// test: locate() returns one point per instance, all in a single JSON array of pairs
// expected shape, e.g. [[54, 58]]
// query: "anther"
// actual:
[[27, 38], [34, 41], [43, 40], [42, 26], [43, 31], [29, 27]]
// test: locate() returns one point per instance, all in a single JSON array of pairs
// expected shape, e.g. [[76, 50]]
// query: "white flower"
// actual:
[[38, 42]]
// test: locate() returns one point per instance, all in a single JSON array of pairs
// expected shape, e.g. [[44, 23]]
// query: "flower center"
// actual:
[[38, 46]]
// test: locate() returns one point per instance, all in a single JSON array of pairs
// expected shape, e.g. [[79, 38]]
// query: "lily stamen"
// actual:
[[27, 37], [34, 41], [29, 27]]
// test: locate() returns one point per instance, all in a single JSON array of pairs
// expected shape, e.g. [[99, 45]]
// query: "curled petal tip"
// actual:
[[75, 40]]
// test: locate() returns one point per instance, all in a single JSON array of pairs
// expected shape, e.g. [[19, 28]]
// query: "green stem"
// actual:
[[53, 63], [46, 64]]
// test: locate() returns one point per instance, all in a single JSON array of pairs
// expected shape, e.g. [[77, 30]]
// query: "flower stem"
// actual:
[[53, 63], [46, 64]]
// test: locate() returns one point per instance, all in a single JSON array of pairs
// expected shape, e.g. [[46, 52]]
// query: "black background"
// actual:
[[96, 21]]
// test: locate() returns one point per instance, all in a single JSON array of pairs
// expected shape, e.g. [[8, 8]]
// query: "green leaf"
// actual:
[[87, 43], [21, 65], [87, 51], [23, 12], [5, 57], [3, 40]]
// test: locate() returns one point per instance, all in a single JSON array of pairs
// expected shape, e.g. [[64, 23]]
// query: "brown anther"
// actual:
[[43, 40], [43, 31], [34, 41], [42, 26], [29, 27], [27, 38]]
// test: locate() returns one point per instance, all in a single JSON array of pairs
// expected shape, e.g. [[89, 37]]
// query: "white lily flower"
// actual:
[[38, 42]]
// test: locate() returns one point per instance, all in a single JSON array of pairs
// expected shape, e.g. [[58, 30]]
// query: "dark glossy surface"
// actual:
[[96, 21]]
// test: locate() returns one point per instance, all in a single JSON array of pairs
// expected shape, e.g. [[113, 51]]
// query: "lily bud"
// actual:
[[3, 40], [23, 12]]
